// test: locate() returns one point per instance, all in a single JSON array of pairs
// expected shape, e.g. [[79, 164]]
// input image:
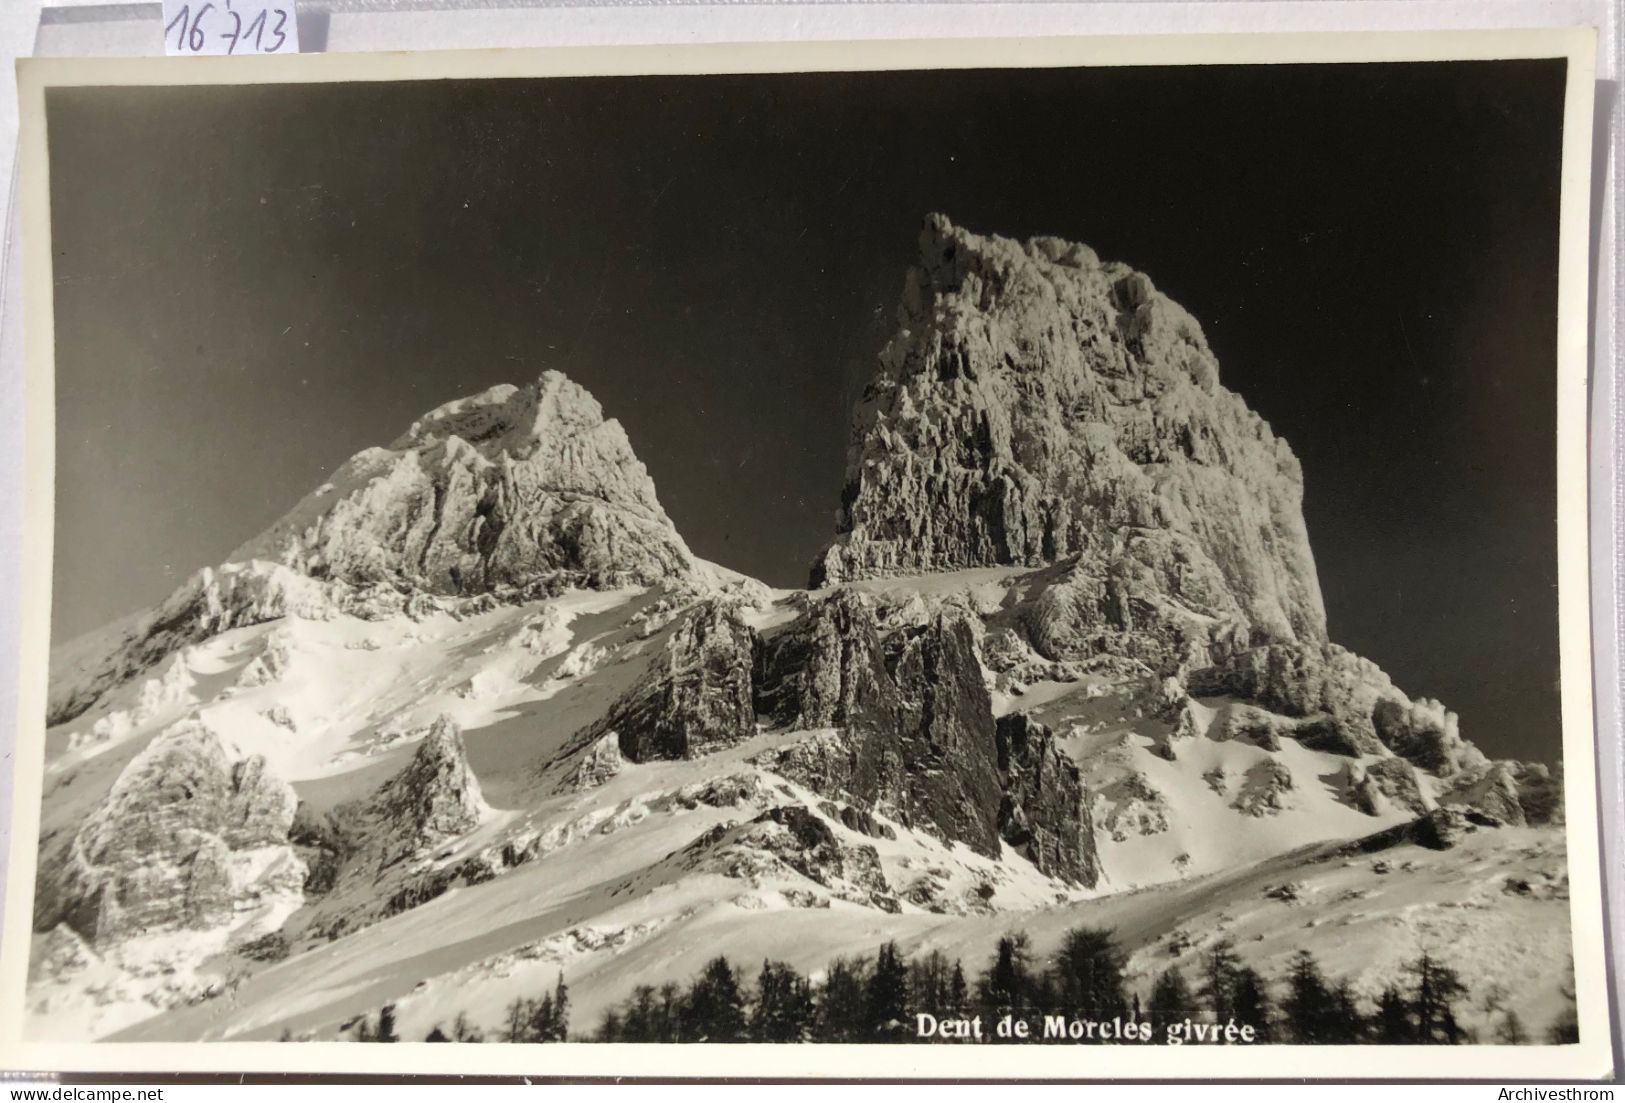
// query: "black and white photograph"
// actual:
[[931, 554]]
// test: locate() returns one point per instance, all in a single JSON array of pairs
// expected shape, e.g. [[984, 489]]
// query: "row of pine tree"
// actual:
[[875, 999]]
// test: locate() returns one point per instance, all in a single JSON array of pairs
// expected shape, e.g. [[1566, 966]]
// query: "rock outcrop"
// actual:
[[1514, 793], [940, 768], [1044, 811], [917, 740], [59, 953], [828, 669], [1265, 789], [792, 838], [1426, 733], [1038, 405], [384, 853], [435, 797], [1253, 725], [1440, 829], [211, 601], [185, 840], [601, 762], [1385, 782], [492, 490], [1540, 792], [919, 731]]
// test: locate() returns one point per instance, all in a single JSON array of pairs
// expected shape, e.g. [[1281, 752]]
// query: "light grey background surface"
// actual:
[[83, 28]]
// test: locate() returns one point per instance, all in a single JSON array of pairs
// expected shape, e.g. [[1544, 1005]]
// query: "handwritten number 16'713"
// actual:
[[265, 30]]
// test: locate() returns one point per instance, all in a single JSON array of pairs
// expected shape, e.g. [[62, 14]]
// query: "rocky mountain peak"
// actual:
[[554, 423], [1038, 406], [512, 491], [498, 489]]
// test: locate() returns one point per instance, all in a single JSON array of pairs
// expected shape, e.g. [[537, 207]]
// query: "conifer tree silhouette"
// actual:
[[716, 1005], [886, 1000], [783, 1008], [1310, 1008], [1171, 1002], [1087, 977], [842, 1001], [1392, 1025], [1436, 992], [1007, 983], [1250, 1004], [1219, 967]]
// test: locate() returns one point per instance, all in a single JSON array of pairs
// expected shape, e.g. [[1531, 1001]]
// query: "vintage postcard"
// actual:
[[809, 560]]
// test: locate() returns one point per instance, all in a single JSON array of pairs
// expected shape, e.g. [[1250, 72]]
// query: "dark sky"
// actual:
[[254, 283]]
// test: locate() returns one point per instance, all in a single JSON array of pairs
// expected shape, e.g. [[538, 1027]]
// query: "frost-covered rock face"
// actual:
[[1330, 699], [1540, 792], [59, 952], [940, 767], [170, 689], [1425, 732], [792, 838], [1039, 408], [1255, 726], [1387, 781], [827, 669], [212, 601], [1038, 404], [184, 841], [601, 762], [435, 797], [261, 807], [918, 740], [1044, 809], [919, 728], [1130, 805], [488, 491], [1148, 693], [1509, 792], [696, 695], [1265, 790], [382, 854]]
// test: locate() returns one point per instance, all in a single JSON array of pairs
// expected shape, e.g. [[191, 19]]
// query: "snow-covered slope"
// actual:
[[477, 950], [641, 870]]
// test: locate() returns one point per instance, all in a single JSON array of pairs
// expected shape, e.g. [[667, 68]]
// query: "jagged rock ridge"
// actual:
[[376, 854], [697, 694], [434, 798], [916, 736]]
